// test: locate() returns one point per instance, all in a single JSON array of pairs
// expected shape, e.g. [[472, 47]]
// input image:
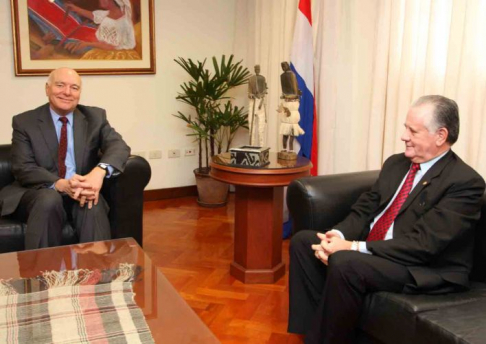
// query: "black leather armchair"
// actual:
[[124, 195], [320, 202]]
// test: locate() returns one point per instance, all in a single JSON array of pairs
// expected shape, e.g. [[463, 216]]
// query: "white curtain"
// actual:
[[372, 59]]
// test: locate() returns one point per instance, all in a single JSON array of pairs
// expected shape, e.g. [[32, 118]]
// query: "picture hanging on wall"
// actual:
[[91, 36]]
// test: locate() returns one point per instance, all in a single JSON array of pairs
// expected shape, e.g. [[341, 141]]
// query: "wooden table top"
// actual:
[[277, 173], [169, 317]]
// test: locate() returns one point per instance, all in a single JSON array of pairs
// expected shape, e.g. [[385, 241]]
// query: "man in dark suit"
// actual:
[[411, 233], [61, 153]]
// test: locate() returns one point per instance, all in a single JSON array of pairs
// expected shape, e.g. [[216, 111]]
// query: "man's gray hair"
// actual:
[[446, 115]]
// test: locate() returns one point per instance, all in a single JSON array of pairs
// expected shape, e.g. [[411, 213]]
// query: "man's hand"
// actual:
[[84, 189], [320, 254], [95, 179], [331, 242], [319, 250], [76, 187], [331, 234]]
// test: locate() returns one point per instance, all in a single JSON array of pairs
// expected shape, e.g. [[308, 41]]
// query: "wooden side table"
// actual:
[[258, 214]]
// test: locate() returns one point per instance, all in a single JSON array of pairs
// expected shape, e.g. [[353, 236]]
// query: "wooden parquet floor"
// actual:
[[193, 247]]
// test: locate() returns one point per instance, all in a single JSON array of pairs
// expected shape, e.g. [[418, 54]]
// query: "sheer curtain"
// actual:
[[372, 59]]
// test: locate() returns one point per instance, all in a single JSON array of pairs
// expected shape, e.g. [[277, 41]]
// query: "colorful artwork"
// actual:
[[83, 31]]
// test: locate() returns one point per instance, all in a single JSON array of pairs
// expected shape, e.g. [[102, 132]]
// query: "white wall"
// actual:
[[139, 107]]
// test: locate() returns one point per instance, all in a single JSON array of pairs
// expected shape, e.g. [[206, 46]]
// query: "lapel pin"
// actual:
[[425, 183]]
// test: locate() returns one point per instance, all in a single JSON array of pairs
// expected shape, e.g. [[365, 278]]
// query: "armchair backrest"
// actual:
[[321, 202]]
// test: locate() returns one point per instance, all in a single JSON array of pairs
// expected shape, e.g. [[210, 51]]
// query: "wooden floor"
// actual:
[[193, 247]]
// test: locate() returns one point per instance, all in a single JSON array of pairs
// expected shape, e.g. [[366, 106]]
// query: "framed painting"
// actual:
[[91, 36]]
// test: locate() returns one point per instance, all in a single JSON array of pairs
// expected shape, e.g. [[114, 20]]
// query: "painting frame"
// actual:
[[24, 65]]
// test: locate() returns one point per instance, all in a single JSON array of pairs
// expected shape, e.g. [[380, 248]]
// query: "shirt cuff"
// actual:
[[362, 247], [110, 170], [361, 244]]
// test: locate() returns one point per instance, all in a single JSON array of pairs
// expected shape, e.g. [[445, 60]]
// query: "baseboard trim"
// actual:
[[160, 194]]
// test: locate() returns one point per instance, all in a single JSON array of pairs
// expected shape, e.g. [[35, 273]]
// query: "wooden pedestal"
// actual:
[[258, 232], [258, 215]]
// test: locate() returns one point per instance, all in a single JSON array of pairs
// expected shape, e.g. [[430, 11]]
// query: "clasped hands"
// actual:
[[84, 189], [331, 242]]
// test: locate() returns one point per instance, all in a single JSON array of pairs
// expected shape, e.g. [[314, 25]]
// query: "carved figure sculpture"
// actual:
[[257, 116], [289, 111]]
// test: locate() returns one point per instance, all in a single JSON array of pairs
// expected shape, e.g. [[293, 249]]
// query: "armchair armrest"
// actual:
[[124, 194], [6, 176], [319, 203]]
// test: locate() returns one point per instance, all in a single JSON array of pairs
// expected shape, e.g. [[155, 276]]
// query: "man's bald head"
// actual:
[[63, 71], [63, 88]]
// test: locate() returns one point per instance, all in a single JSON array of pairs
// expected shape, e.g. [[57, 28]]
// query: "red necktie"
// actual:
[[379, 230], [62, 150]]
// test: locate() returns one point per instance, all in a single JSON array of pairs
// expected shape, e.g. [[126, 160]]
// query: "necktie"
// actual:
[[381, 226], [62, 150]]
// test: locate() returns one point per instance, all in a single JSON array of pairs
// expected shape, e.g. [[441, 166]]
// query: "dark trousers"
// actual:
[[325, 301], [46, 211]]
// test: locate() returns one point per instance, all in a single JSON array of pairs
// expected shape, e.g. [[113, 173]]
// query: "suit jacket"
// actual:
[[433, 233], [35, 146]]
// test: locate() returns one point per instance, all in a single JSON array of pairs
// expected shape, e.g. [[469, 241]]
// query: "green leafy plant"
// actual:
[[214, 120]]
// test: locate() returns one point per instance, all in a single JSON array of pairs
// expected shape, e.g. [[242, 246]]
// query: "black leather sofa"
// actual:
[[124, 195], [321, 202]]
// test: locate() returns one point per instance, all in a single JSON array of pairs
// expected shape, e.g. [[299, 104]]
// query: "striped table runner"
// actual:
[[81, 313]]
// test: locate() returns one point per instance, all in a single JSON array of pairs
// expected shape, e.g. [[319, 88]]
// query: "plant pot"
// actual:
[[211, 192]]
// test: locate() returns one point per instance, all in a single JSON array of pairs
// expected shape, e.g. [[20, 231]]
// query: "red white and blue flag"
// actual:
[[302, 64]]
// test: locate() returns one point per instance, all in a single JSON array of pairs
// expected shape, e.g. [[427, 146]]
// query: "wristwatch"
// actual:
[[354, 246], [104, 167]]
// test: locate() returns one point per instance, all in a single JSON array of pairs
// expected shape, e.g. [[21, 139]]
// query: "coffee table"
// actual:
[[258, 213], [169, 317]]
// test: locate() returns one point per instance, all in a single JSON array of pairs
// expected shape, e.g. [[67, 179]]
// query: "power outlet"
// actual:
[[155, 154], [189, 151], [174, 153]]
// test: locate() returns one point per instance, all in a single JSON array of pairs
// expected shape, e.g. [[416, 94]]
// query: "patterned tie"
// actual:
[[378, 232], [62, 150]]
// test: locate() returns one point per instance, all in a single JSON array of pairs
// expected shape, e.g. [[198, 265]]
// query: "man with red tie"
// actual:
[[411, 233], [61, 154]]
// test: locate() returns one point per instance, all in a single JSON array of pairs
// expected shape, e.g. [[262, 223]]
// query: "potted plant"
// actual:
[[214, 120]]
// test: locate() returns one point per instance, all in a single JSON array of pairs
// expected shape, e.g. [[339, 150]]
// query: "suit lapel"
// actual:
[[427, 179], [79, 130], [46, 127]]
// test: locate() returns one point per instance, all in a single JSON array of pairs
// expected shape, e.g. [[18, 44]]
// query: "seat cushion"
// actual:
[[463, 323], [392, 317], [12, 235]]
